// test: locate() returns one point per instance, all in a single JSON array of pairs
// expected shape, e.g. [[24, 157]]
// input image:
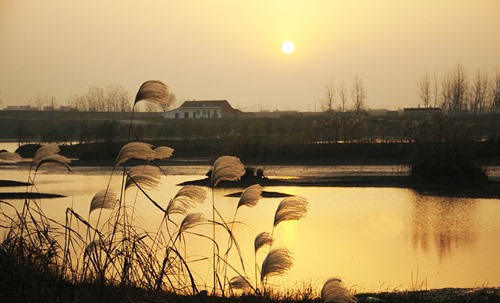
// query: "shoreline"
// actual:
[[462, 188], [485, 189]]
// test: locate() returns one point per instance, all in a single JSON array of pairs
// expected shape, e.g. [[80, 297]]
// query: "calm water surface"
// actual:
[[373, 238]]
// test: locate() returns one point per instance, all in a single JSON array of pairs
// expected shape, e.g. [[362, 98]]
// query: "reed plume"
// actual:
[[103, 199], [277, 262], [190, 221], [250, 196], [45, 151], [333, 291], [135, 150], [291, 208], [9, 157], [262, 239], [145, 176], [57, 160], [163, 152], [153, 91], [185, 199], [227, 168], [239, 282]]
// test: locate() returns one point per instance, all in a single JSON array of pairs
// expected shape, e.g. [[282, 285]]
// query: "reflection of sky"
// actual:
[[373, 238]]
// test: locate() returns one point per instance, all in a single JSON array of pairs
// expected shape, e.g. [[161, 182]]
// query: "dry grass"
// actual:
[[113, 251]]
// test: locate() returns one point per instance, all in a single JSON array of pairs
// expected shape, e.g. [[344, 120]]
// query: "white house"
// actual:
[[208, 109]]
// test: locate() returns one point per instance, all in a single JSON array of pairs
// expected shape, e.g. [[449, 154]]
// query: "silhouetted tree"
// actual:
[[436, 91], [442, 152], [479, 90], [328, 102], [358, 95], [112, 98], [109, 131], [40, 101], [342, 96], [459, 89], [446, 93], [495, 94], [454, 90], [424, 90], [22, 132]]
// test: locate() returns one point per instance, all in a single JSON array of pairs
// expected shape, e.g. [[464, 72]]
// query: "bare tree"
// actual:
[[446, 93], [112, 98], [479, 91], [424, 89], [358, 95], [328, 103], [342, 96], [117, 99], [495, 94], [436, 91], [458, 90], [78, 103], [96, 99], [40, 101]]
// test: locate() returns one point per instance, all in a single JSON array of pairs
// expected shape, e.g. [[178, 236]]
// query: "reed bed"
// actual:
[[104, 255], [105, 249]]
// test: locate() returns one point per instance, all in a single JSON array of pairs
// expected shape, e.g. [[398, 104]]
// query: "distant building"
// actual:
[[207, 109], [382, 112], [424, 111], [377, 112], [277, 114], [19, 107], [66, 108]]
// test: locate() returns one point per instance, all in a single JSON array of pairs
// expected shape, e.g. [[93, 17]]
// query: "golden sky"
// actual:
[[231, 49]]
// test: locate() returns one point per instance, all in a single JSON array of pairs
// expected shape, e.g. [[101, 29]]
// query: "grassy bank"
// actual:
[[299, 154]]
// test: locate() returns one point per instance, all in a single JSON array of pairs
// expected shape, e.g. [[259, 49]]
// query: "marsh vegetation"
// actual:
[[105, 254], [106, 249]]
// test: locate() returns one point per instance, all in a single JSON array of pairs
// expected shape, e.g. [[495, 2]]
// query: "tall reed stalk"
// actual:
[[113, 250]]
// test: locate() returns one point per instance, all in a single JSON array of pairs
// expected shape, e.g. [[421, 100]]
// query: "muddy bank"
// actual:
[[449, 295], [458, 189], [23, 195], [27, 195], [10, 183]]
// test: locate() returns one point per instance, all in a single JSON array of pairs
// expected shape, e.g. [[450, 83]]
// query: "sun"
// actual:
[[288, 47]]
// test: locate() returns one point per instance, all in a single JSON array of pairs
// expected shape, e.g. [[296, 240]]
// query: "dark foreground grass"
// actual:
[[59, 291], [31, 277]]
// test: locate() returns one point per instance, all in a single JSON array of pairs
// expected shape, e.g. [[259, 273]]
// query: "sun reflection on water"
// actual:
[[367, 236]]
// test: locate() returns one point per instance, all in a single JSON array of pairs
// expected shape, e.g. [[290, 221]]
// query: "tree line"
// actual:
[[457, 92], [337, 97], [454, 92], [110, 98]]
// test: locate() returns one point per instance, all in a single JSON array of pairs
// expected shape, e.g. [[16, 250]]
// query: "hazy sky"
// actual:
[[231, 49]]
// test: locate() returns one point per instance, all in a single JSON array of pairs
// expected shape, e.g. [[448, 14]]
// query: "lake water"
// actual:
[[375, 239]]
